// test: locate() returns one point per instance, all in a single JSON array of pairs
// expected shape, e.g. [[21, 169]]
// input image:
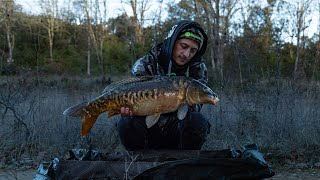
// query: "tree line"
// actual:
[[247, 40]]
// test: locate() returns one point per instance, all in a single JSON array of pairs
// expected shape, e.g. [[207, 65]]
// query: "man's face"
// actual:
[[184, 50]]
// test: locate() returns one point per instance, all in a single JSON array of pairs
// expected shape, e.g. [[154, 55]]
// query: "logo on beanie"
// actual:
[[193, 34]]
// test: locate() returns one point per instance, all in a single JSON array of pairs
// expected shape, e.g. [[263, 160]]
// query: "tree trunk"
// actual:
[[139, 9], [209, 13], [51, 26], [97, 36], [316, 61], [50, 38], [9, 34], [302, 12], [299, 26], [10, 39], [218, 40], [51, 11], [88, 57]]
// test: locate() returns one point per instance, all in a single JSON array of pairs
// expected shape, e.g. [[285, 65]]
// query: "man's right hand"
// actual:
[[125, 111]]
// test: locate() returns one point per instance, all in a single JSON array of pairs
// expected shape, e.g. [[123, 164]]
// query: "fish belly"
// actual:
[[160, 105]]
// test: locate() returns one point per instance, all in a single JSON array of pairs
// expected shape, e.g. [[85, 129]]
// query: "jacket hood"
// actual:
[[168, 44]]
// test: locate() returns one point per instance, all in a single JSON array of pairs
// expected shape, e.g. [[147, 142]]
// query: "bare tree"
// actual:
[[139, 9], [210, 14], [219, 13], [157, 21], [50, 23], [7, 9], [299, 25], [79, 8], [91, 36], [317, 57], [96, 26], [298, 13]]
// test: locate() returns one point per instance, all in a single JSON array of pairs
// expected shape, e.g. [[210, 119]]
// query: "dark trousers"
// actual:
[[189, 133]]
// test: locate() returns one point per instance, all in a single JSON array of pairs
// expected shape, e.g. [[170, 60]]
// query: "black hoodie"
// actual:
[[157, 61], [167, 46]]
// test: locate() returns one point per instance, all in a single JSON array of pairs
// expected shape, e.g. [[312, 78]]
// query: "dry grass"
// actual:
[[32, 124], [281, 119]]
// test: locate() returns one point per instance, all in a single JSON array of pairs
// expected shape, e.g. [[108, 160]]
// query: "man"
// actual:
[[179, 54]]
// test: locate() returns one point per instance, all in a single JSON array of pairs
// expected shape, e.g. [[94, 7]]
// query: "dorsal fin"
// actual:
[[127, 81]]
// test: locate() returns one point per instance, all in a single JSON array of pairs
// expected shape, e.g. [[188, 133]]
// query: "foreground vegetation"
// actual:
[[281, 117]]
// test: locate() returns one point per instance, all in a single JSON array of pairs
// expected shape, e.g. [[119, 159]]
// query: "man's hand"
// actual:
[[125, 111]]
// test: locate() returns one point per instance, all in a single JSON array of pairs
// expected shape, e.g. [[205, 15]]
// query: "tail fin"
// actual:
[[76, 111], [87, 123], [88, 119]]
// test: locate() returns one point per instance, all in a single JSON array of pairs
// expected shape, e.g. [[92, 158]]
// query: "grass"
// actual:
[[281, 119]]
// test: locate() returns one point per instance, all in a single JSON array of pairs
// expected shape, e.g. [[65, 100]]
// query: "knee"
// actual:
[[132, 132], [197, 122], [194, 132]]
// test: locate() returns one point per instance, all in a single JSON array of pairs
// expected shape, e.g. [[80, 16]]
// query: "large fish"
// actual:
[[148, 96]]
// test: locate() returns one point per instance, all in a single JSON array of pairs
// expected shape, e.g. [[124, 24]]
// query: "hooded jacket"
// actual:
[[158, 61]]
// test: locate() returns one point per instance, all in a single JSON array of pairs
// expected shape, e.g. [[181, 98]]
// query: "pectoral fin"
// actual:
[[182, 111], [152, 119]]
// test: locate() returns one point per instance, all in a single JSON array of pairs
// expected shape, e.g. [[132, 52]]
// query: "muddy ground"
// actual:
[[289, 174], [295, 174], [17, 175]]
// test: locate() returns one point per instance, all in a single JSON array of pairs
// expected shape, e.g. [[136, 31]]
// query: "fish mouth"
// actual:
[[214, 100]]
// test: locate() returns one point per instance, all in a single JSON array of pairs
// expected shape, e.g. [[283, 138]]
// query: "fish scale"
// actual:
[[145, 96]]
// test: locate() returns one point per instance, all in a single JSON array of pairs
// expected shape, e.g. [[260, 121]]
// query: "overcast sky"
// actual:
[[115, 7], [31, 6]]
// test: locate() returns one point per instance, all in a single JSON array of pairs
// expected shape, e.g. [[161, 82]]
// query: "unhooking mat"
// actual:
[[246, 163]]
